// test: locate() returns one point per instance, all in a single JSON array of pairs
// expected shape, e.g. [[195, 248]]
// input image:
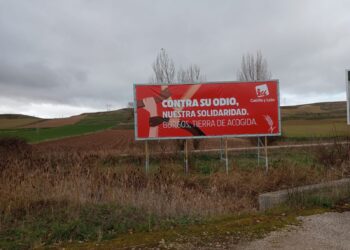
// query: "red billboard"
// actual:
[[217, 109]]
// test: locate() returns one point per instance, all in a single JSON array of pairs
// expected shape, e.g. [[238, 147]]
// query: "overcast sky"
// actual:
[[60, 58]]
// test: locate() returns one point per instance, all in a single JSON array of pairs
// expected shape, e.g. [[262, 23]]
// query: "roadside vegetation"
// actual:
[[80, 190], [52, 196]]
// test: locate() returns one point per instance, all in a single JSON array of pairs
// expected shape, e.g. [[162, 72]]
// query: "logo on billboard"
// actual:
[[262, 90]]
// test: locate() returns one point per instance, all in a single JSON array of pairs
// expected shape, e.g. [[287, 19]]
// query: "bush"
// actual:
[[180, 145], [336, 155], [196, 143], [13, 145], [12, 148]]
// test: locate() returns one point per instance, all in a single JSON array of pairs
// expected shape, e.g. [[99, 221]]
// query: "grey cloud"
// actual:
[[89, 52], [38, 81], [34, 75]]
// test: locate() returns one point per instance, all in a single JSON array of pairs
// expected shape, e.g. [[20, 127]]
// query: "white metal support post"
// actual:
[[221, 150], [186, 156], [258, 151], [263, 144], [226, 156], [266, 157], [347, 77], [146, 157]]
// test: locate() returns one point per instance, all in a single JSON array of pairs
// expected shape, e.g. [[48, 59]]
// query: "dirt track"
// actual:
[[329, 231], [322, 231]]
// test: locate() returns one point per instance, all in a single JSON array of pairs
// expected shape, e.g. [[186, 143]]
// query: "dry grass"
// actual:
[[43, 181], [80, 178]]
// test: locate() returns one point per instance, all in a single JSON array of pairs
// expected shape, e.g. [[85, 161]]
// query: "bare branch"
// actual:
[[253, 68], [191, 75], [164, 71], [163, 68]]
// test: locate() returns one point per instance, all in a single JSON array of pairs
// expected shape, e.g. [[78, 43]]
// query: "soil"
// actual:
[[123, 141], [52, 123]]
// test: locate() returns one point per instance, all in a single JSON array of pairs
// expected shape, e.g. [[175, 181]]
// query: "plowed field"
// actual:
[[52, 123], [123, 142]]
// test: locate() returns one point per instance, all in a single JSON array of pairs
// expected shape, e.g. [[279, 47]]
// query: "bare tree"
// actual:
[[194, 73], [164, 72], [191, 75], [254, 68], [181, 76], [163, 68]]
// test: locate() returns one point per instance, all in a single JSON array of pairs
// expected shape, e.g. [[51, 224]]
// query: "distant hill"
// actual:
[[8, 121], [301, 121], [325, 119], [16, 116], [324, 110], [35, 130]]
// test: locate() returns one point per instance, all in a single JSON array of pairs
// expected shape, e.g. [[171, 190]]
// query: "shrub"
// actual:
[[12, 149], [335, 155]]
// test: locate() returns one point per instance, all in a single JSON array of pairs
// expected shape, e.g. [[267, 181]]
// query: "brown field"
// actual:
[[303, 110], [123, 141], [10, 123], [52, 123]]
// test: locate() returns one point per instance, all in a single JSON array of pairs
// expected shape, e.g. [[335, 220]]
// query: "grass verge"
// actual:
[[216, 232]]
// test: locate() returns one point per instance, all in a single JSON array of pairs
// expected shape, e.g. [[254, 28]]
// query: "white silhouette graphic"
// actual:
[[270, 123]]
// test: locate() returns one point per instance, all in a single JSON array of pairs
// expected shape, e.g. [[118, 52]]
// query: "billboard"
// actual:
[[201, 110]]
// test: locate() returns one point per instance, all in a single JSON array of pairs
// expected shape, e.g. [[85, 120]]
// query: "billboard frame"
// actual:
[[347, 83], [211, 136]]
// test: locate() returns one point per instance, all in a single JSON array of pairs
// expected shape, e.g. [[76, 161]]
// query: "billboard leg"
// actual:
[[186, 157], [226, 156], [266, 158], [262, 143], [221, 149], [348, 95], [258, 151], [146, 157]]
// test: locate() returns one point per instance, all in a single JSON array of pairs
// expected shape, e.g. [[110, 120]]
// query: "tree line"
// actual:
[[253, 68]]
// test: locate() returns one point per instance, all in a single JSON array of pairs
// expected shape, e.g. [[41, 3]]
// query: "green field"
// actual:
[[315, 120], [315, 128], [318, 120]]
